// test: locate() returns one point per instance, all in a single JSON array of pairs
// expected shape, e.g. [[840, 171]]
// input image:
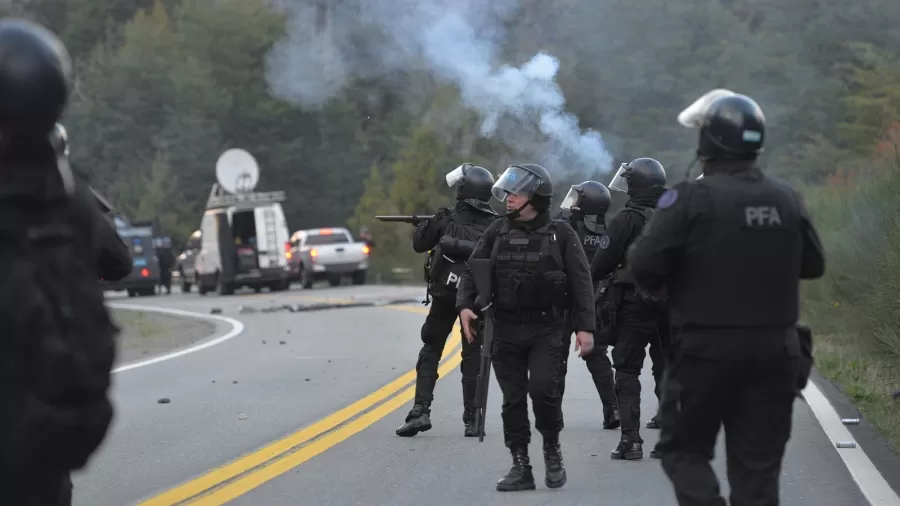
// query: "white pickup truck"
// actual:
[[327, 253]]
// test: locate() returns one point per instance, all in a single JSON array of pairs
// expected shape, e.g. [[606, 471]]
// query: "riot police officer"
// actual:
[[166, 259], [450, 236], [731, 249], [639, 318], [586, 205], [541, 284], [36, 78]]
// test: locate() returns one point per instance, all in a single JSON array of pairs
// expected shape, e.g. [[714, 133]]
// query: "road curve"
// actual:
[[230, 400]]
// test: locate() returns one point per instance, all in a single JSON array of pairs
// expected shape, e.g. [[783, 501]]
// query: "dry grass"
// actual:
[[138, 324], [869, 379]]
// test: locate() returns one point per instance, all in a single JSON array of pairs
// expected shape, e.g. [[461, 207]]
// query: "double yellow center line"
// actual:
[[250, 471]]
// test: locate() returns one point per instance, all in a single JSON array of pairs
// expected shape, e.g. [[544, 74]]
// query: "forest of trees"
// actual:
[[357, 107]]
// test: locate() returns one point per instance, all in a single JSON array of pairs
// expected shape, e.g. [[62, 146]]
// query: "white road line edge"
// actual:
[[862, 470], [236, 329]]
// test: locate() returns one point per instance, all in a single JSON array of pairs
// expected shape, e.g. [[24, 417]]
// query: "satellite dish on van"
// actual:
[[237, 171]]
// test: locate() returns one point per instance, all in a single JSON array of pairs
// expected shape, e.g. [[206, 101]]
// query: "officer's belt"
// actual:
[[532, 317]]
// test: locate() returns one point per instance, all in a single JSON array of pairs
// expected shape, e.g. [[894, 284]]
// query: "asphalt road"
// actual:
[[229, 403]]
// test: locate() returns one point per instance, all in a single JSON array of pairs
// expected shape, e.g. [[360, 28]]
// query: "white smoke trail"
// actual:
[[459, 40]]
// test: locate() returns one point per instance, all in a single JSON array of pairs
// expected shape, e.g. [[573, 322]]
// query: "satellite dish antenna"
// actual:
[[237, 171]]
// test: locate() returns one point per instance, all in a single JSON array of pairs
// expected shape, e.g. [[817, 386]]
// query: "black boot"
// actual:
[[469, 421], [611, 418], [653, 423], [554, 472], [416, 421], [628, 451], [520, 476], [655, 453]]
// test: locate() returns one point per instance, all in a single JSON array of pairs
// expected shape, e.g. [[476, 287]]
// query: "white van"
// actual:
[[244, 242]]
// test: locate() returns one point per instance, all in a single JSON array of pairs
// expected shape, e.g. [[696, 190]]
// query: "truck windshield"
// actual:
[[322, 239]]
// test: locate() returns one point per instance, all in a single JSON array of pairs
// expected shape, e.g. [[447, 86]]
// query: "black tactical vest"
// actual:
[[742, 265], [446, 270], [590, 241], [621, 275], [529, 276]]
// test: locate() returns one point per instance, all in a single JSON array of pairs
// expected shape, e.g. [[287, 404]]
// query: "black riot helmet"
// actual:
[[588, 198], [526, 179], [473, 182], [473, 186], [36, 77], [731, 125], [638, 174]]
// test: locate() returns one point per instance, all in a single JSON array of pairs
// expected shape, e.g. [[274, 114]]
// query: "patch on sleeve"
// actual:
[[667, 199], [604, 242]]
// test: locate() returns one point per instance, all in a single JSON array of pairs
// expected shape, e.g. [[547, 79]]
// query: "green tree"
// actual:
[[159, 199], [417, 175]]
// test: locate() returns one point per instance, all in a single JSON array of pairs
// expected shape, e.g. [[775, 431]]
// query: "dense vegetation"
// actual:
[[360, 107]]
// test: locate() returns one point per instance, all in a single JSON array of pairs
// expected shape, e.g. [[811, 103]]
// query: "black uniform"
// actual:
[[585, 209], [638, 322], [450, 235], [166, 261], [731, 249], [541, 280], [36, 77], [597, 361]]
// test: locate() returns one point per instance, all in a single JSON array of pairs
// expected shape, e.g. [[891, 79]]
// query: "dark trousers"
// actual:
[[165, 278], [637, 326], [530, 359], [600, 367], [751, 392], [53, 488], [437, 327]]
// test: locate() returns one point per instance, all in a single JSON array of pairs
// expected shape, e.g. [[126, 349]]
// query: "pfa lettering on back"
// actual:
[[762, 217], [592, 240]]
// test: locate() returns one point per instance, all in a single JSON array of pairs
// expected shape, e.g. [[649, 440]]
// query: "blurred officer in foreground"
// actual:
[[731, 248], [636, 318], [586, 205], [59, 343], [451, 235], [541, 293]]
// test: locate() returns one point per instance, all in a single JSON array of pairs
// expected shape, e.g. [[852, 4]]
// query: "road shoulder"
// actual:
[[146, 334], [867, 436]]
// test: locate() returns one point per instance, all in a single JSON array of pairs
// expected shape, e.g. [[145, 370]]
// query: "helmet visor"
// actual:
[[517, 181], [694, 115], [619, 182], [571, 200], [455, 175]]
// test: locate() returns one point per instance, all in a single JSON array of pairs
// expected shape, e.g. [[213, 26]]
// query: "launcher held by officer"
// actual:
[[540, 276], [636, 319], [586, 205], [450, 236], [731, 249]]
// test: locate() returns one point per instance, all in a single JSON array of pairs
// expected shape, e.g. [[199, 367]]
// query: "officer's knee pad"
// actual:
[[470, 352], [542, 388], [626, 375], [426, 356]]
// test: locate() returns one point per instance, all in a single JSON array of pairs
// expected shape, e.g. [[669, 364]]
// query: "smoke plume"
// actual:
[[459, 41]]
